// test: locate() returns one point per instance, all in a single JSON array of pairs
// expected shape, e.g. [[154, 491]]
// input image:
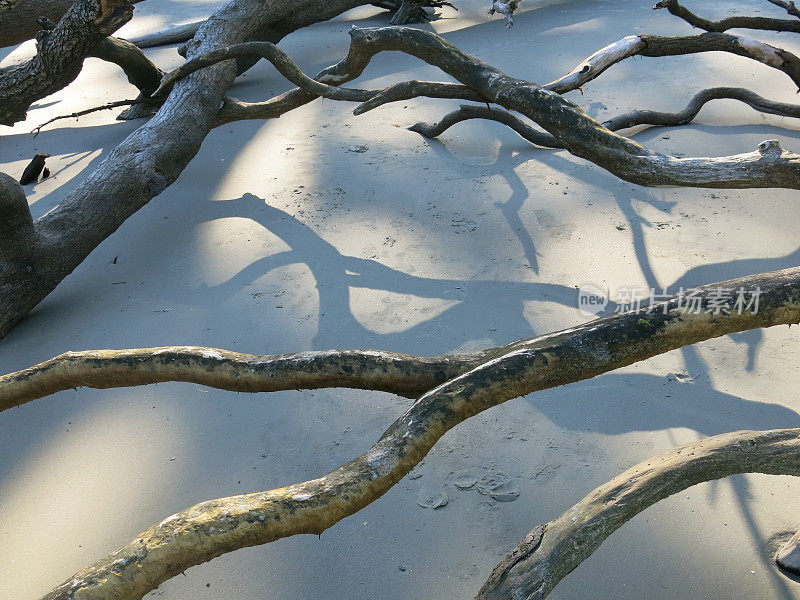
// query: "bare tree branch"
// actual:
[[787, 6], [735, 22], [19, 21], [215, 527], [651, 117], [60, 55], [768, 166], [401, 374], [551, 551]]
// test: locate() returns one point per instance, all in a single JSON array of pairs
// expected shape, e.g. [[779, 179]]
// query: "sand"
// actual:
[[323, 230]]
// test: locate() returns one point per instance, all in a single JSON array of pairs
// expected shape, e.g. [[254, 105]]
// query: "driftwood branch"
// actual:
[[20, 20], [550, 552], [401, 374], [768, 166], [215, 527], [650, 117], [60, 55], [735, 22], [171, 35], [787, 6], [631, 119], [139, 69]]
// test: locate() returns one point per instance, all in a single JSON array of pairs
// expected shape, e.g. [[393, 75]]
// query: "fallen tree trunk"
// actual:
[[212, 528], [551, 551]]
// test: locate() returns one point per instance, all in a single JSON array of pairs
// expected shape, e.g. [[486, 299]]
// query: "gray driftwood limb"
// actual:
[[551, 551], [175, 34]]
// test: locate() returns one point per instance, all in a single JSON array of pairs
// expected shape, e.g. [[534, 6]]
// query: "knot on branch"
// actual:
[[770, 149]]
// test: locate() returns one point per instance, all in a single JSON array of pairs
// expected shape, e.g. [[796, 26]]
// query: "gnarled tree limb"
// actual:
[[735, 22], [215, 527], [60, 55], [768, 166], [550, 552], [651, 117]]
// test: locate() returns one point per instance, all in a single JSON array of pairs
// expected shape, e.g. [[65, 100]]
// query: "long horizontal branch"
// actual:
[[631, 119], [215, 527], [551, 551], [401, 374], [651, 117]]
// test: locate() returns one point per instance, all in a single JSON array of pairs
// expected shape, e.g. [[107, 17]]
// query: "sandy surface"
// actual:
[[323, 230]]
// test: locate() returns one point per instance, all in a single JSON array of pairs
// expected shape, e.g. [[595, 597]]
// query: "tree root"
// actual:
[[215, 527], [550, 552]]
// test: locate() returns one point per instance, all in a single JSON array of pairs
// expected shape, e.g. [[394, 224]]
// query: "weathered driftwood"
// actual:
[[60, 55], [20, 20], [734, 22], [215, 527], [139, 69], [768, 166], [149, 159], [551, 551], [401, 374], [175, 34]]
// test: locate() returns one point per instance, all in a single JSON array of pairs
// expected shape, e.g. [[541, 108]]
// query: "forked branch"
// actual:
[[215, 527]]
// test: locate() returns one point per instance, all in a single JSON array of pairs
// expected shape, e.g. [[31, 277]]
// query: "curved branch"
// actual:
[[632, 119], [651, 117], [60, 55], [735, 22], [139, 69], [468, 111], [405, 375], [215, 527], [660, 46], [768, 166], [789, 6], [550, 552]]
